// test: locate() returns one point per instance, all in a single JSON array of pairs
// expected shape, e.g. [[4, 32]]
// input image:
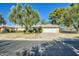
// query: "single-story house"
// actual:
[[3, 27], [11, 28], [48, 28]]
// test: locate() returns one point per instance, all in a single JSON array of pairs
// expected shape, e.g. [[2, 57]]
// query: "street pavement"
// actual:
[[64, 47]]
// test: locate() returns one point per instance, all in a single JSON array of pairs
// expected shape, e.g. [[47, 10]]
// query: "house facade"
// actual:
[[49, 28]]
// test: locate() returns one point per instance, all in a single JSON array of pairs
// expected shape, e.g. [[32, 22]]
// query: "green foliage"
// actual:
[[32, 31], [37, 30], [2, 21], [68, 16], [15, 14], [24, 15], [40, 30], [56, 15], [75, 16]]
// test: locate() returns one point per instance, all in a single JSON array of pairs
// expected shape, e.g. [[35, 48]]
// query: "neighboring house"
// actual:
[[2, 28], [11, 28], [48, 28], [6, 28], [70, 29]]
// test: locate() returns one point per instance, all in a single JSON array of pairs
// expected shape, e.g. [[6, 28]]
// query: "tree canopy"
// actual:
[[68, 16], [2, 21], [56, 14], [24, 15]]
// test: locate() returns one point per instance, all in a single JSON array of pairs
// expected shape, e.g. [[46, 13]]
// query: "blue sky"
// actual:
[[43, 8]]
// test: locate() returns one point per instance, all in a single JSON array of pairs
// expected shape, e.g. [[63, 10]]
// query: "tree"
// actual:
[[15, 14], [2, 21], [24, 15], [67, 21], [75, 16], [56, 15], [31, 16], [72, 16], [68, 16]]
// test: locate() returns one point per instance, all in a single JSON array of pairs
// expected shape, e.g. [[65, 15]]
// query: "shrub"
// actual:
[[6, 30], [35, 30], [31, 30], [40, 30]]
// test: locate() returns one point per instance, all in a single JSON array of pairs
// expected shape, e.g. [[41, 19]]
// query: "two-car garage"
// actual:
[[49, 28]]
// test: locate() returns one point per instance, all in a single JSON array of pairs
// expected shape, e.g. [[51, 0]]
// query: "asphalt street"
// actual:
[[65, 47]]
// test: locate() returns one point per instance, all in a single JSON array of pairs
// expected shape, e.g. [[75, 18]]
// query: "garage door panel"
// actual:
[[49, 30]]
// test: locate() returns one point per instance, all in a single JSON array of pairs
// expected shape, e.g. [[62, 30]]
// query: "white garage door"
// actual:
[[49, 30]]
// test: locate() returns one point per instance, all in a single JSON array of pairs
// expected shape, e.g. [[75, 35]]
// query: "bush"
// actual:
[[40, 30], [6, 30], [35, 30], [12, 31], [32, 31]]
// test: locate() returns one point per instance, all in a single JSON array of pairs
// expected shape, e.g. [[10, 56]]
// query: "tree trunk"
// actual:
[[26, 28], [78, 30], [76, 27]]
